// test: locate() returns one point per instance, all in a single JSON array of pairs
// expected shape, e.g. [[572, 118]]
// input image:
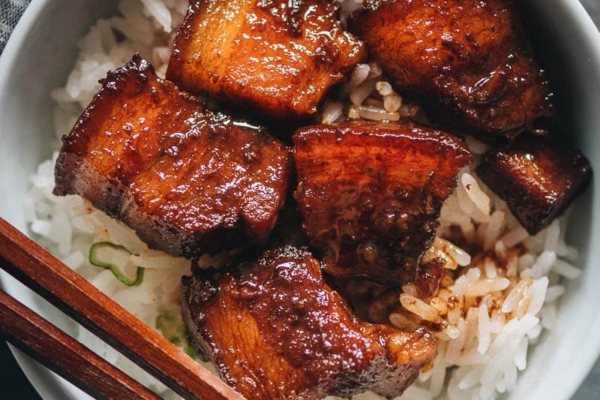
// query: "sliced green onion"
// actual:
[[116, 271], [171, 327]]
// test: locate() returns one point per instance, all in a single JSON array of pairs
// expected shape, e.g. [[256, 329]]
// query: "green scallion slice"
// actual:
[[116, 271], [172, 328]]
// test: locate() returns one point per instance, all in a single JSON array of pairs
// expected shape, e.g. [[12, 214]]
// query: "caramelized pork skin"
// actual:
[[467, 61], [276, 330], [537, 177], [370, 194], [275, 57], [187, 180]]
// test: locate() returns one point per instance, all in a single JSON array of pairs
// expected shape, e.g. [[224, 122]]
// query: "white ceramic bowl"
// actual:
[[42, 50]]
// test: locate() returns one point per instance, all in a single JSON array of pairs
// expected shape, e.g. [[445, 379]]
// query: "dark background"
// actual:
[[13, 383]]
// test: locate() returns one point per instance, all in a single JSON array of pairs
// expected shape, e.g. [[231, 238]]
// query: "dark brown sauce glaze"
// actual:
[[274, 57], [276, 330], [468, 62], [538, 177], [370, 194], [187, 180]]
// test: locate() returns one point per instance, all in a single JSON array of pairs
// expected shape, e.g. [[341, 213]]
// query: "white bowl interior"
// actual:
[[42, 51], [571, 46], [35, 61]]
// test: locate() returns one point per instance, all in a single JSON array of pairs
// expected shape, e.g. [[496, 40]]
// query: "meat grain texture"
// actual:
[[276, 330], [468, 62], [188, 181], [275, 57], [537, 177], [370, 194]]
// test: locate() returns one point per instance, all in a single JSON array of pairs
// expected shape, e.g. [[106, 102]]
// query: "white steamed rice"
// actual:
[[492, 314]]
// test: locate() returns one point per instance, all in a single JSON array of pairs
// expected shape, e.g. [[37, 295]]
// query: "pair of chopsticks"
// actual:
[[44, 274]]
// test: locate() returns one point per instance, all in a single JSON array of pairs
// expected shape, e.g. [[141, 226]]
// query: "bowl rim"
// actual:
[[589, 34], [48, 385], [51, 387]]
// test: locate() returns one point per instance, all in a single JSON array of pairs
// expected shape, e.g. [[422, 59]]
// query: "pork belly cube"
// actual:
[[468, 62], [370, 194], [276, 330], [186, 180], [276, 57], [537, 177]]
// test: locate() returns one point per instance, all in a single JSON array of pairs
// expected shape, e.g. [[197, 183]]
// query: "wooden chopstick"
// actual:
[[46, 275], [58, 351]]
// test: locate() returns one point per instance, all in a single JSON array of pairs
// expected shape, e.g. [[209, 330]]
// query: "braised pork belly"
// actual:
[[188, 181], [537, 177], [276, 330], [370, 194], [468, 62], [274, 57]]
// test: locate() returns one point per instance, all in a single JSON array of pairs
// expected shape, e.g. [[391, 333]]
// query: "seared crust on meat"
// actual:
[[187, 180], [274, 57], [276, 330], [370, 194], [537, 177], [467, 61]]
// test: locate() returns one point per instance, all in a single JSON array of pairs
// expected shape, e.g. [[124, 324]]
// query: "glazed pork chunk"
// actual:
[[187, 180], [467, 61], [276, 330], [370, 194], [275, 57], [537, 177]]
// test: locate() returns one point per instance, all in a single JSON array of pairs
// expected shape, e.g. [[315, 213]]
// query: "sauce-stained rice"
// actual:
[[492, 304]]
